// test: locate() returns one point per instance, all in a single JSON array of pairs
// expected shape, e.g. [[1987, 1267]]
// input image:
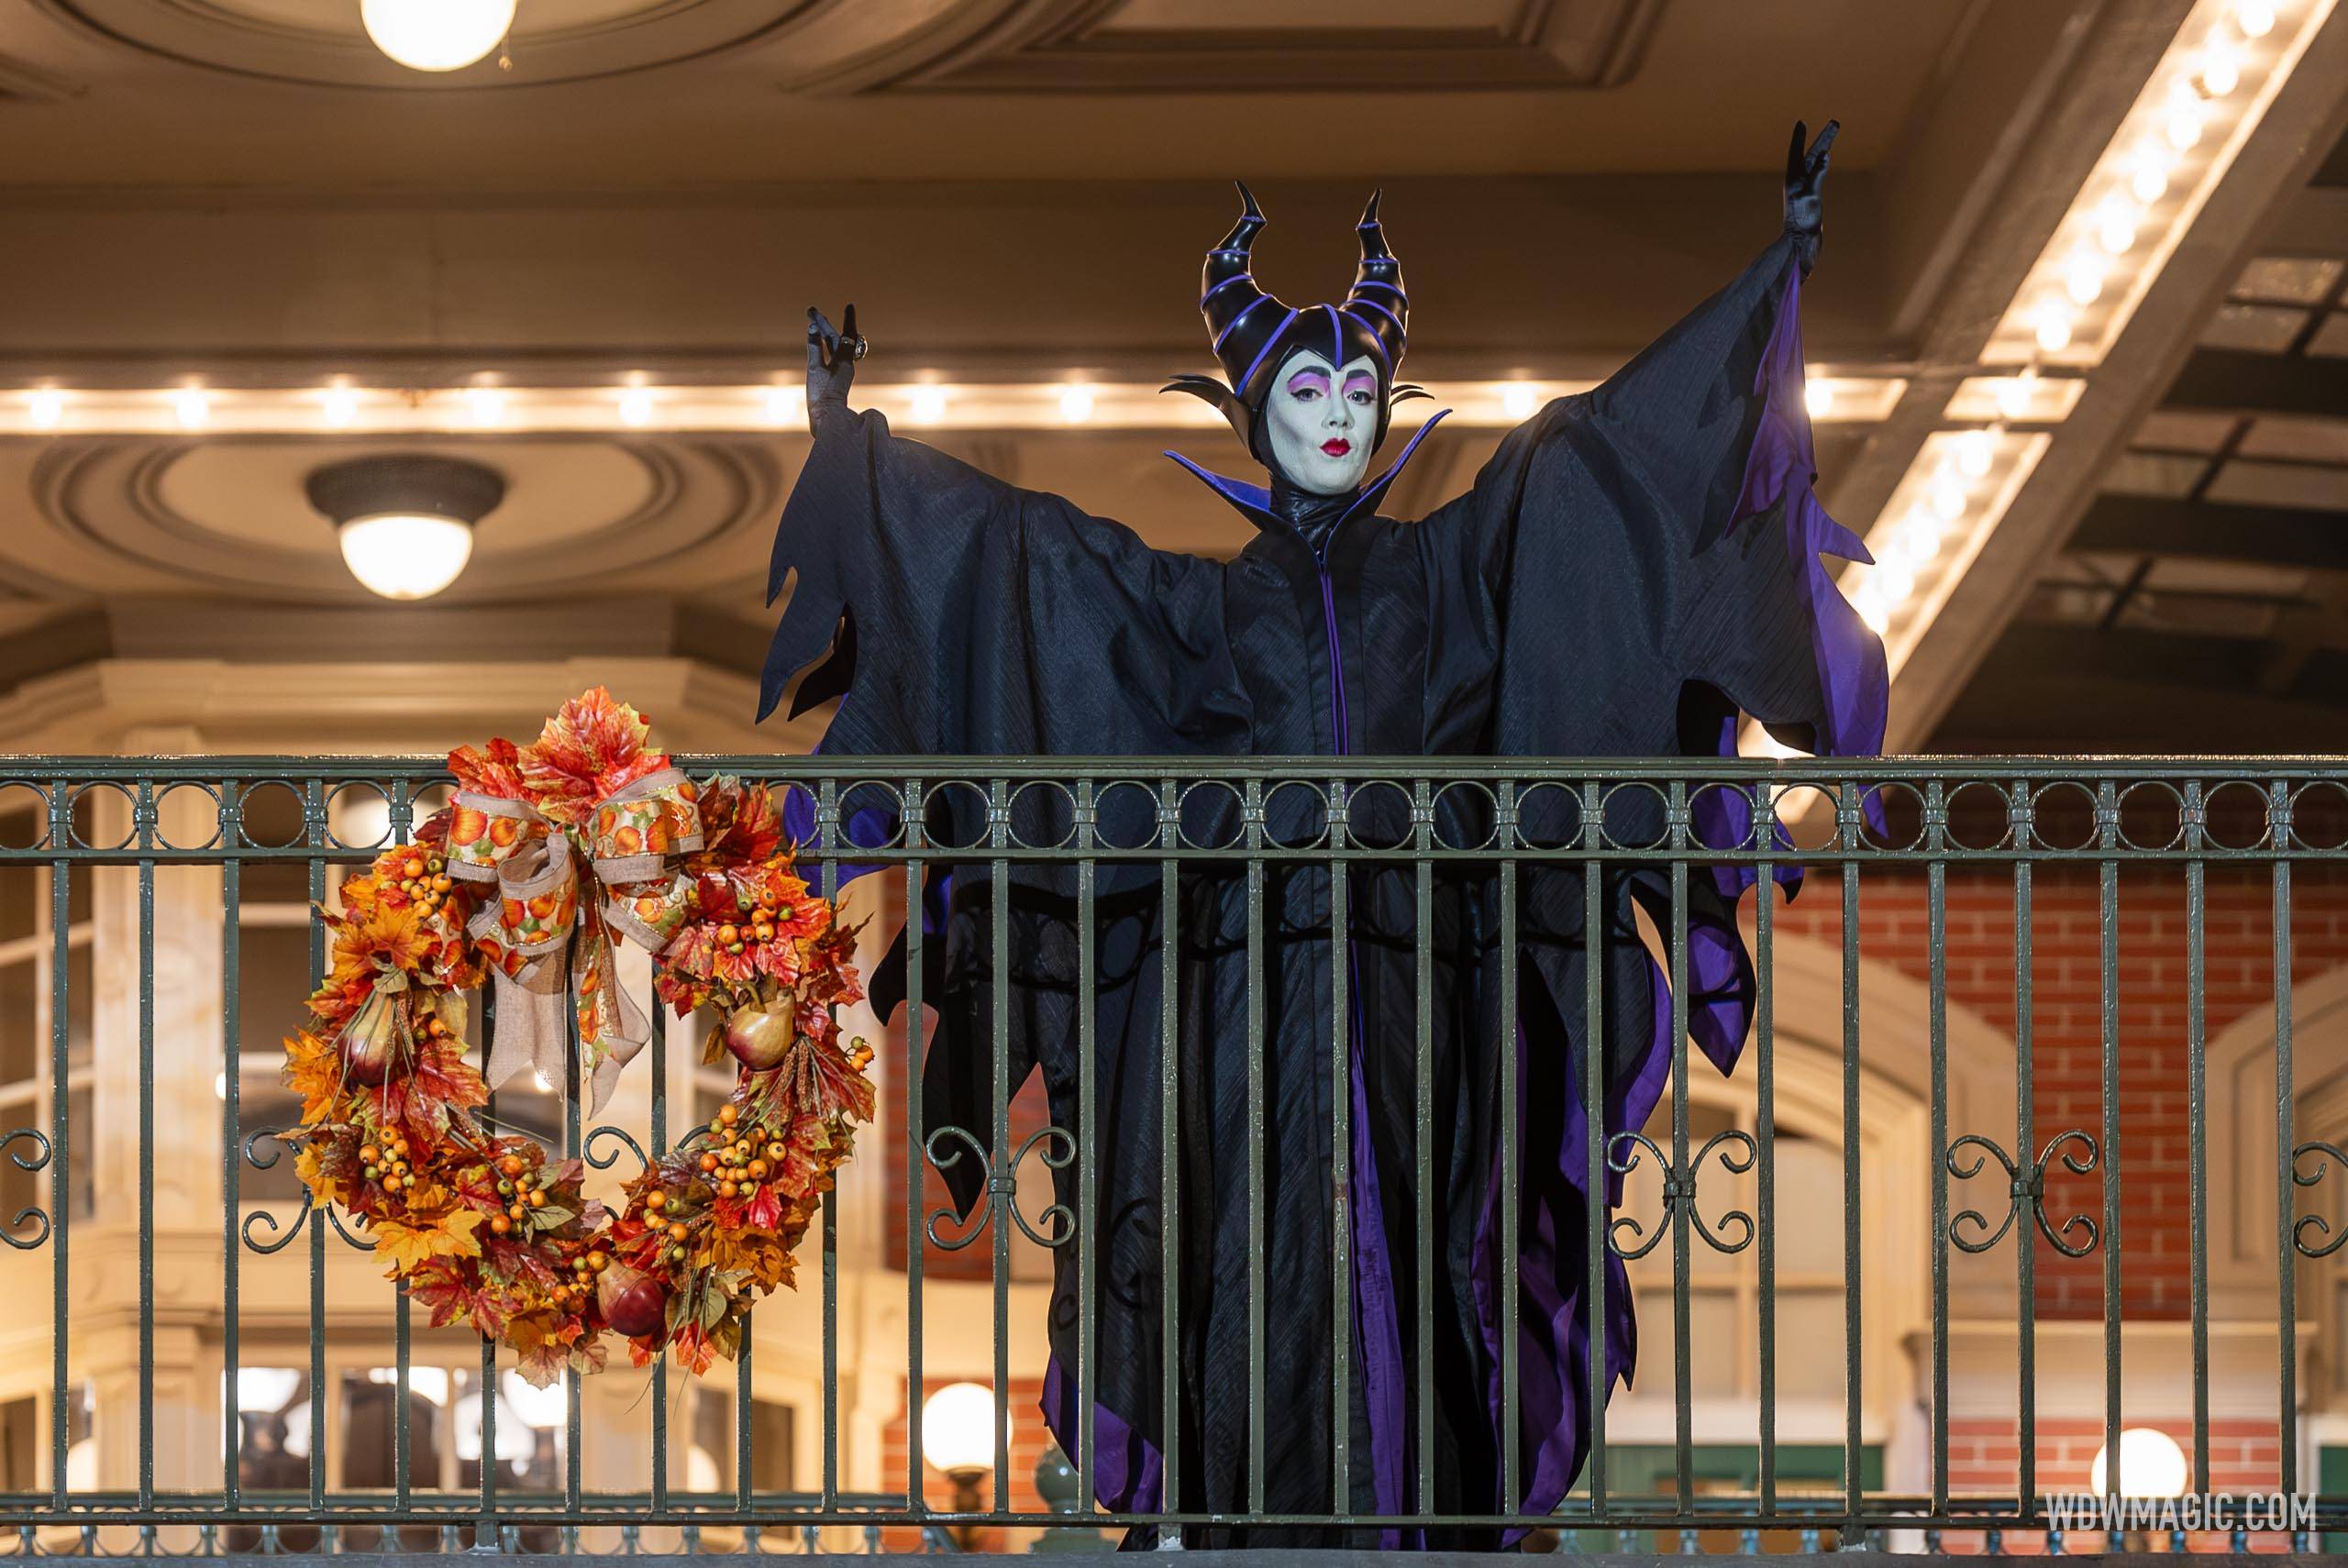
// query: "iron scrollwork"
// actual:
[[2032, 1186], [1738, 1154], [946, 1148], [38, 1160], [2305, 1224]]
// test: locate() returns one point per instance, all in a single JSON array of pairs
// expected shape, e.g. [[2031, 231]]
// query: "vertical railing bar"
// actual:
[[1764, 1117], [1088, 1151], [61, 1106], [833, 840], [1341, 1160], [1852, 1271], [486, 1534], [910, 814], [1678, 1179], [146, 836], [1512, 1446], [1169, 1237], [2107, 910], [231, 1112], [1936, 942], [1594, 1131], [743, 1412], [402, 1348], [2285, 1200], [659, 1147], [573, 1467], [1423, 1198], [1003, 1194], [2197, 1120], [2021, 815], [1252, 812], [314, 813]]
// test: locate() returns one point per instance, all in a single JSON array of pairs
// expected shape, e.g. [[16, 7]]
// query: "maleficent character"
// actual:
[[1633, 569]]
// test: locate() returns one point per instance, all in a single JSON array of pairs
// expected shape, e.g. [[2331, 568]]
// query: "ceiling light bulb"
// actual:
[[1948, 498], [1819, 398], [2220, 68], [783, 406], [1894, 580], [1974, 450], [341, 407], [636, 405], [406, 555], [2255, 18], [928, 405], [2052, 325], [2182, 123], [488, 405], [1519, 399], [193, 407], [1920, 538], [2014, 394], [48, 408], [1076, 404], [2083, 278], [2115, 225], [2148, 177], [436, 34]]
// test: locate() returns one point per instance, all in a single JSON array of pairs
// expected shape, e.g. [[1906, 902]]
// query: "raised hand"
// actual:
[[831, 366], [1805, 188]]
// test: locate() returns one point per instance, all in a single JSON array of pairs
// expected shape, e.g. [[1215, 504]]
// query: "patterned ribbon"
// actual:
[[563, 895]]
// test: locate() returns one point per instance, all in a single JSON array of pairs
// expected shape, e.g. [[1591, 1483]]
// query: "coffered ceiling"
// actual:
[[243, 243]]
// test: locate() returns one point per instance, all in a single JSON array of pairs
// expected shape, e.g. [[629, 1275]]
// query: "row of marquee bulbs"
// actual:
[[1911, 543], [2206, 74], [638, 406]]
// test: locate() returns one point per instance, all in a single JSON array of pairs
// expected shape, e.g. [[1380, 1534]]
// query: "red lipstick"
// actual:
[[1336, 446]]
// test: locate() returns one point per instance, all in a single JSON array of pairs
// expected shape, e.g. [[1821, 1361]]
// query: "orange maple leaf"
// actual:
[[593, 746]]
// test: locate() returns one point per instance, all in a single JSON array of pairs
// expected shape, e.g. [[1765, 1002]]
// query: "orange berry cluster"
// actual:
[[425, 877], [387, 1164], [732, 937], [522, 1187], [736, 1164], [664, 1215], [581, 1284]]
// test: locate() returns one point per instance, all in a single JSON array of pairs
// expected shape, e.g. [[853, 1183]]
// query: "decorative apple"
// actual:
[[634, 1302]]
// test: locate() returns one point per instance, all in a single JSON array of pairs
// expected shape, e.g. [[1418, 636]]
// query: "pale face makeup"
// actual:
[[1323, 420]]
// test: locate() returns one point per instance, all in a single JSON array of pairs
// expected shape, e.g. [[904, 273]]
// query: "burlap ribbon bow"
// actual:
[[563, 893]]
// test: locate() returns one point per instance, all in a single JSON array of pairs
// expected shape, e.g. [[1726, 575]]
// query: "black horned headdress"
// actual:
[[1253, 333]]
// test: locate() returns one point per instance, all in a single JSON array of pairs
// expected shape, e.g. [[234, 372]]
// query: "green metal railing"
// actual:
[[1899, 822]]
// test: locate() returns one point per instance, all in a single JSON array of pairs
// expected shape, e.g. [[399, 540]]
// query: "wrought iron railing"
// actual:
[[1908, 826]]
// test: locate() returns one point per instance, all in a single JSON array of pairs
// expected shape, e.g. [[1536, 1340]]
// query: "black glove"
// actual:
[[831, 367], [1805, 196]]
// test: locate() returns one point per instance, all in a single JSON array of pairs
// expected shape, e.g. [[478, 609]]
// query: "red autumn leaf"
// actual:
[[495, 771], [765, 1212]]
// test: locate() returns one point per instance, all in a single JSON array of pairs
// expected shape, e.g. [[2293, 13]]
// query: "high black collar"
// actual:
[[1258, 504]]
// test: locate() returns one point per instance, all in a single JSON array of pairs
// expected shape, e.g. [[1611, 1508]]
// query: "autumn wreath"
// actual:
[[550, 855]]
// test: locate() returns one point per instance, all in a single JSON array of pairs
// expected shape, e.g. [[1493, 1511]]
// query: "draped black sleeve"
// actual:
[[1655, 535], [970, 617]]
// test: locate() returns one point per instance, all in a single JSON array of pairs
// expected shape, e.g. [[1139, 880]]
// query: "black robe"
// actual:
[[1632, 568]]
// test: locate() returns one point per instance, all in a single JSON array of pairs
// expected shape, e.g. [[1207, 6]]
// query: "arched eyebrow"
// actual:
[[1362, 378], [1309, 376]]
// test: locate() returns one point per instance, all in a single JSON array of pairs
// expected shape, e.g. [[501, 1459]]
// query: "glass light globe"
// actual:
[[957, 1428], [436, 34], [406, 555], [2151, 1466]]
